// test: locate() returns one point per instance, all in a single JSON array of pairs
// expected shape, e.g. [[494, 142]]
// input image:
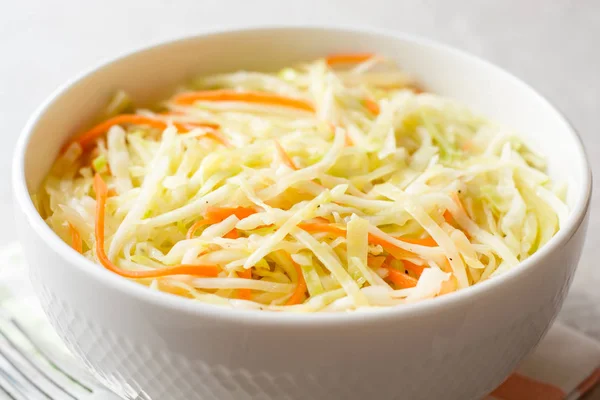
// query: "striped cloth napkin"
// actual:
[[564, 366]]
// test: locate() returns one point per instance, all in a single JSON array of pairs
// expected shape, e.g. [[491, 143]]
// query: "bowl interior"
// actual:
[[150, 74]]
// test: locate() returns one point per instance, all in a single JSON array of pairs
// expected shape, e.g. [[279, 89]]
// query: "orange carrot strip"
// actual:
[[300, 289], [349, 142], [408, 266], [448, 217], [445, 265], [184, 126], [245, 294], [347, 58], [218, 214], [391, 248], [456, 199], [214, 135], [375, 261], [197, 225], [400, 279], [468, 145], [322, 227], [284, 156], [423, 242], [217, 137], [416, 89], [232, 234], [246, 97], [417, 269], [214, 215], [183, 269], [396, 251], [372, 106], [88, 137], [76, 242], [111, 193]]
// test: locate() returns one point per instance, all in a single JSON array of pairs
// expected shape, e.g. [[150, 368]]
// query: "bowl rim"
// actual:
[[137, 292]]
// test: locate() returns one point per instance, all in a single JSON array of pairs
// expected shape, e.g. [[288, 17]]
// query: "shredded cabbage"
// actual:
[[315, 188]]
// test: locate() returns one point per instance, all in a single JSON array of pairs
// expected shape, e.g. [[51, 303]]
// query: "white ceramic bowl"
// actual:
[[459, 346]]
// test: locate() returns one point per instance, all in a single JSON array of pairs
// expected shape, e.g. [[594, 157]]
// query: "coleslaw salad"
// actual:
[[334, 185]]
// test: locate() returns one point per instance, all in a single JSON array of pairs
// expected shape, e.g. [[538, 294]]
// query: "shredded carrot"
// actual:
[[246, 97], [214, 134], [195, 226], [396, 251], [214, 215], [232, 234], [400, 279], [111, 193], [468, 145], [375, 261], [372, 106], [300, 289], [347, 58], [412, 267], [408, 266], [88, 137], [183, 126], [445, 265], [183, 269], [391, 248], [349, 141], [448, 217], [245, 294], [76, 242], [423, 242], [322, 227], [218, 214], [284, 155], [456, 199], [416, 89], [217, 137]]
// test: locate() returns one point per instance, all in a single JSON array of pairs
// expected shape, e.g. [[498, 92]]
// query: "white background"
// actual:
[[552, 44]]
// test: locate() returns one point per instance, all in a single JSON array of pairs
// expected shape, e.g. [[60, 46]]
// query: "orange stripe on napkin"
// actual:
[[589, 382], [520, 387]]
